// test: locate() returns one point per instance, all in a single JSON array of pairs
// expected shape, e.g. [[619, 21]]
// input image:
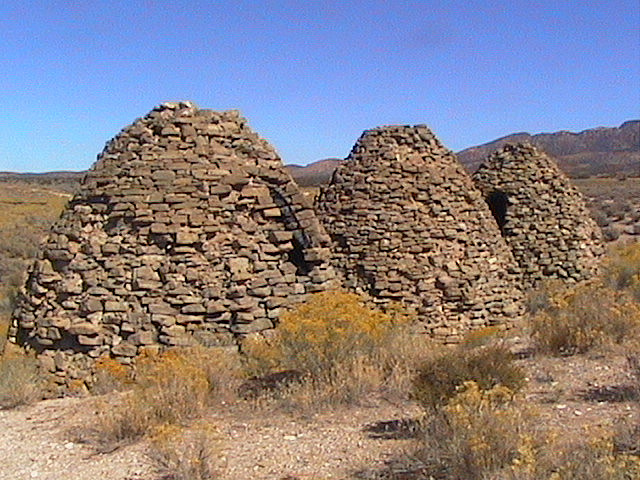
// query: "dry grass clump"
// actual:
[[19, 382], [440, 377], [169, 388], [595, 459], [490, 435], [110, 376], [479, 432], [622, 270], [179, 454], [584, 317], [343, 349]]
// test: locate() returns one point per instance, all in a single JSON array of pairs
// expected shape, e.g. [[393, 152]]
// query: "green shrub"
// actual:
[[439, 378]]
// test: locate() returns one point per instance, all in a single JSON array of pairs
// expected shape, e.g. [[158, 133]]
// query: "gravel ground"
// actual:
[[568, 393]]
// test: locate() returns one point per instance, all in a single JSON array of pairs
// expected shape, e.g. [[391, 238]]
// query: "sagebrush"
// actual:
[[583, 317], [344, 349], [439, 378], [169, 388]]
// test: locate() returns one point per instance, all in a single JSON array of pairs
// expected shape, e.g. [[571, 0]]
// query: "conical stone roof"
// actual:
[[408, 226], [542, 216], [186, 230]]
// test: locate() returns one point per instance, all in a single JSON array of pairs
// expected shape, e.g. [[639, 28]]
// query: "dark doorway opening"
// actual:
[[498, 203]]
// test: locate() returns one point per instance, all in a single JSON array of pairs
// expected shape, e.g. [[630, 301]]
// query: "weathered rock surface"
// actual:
[[186, 230], [409, 226], [542, 216]]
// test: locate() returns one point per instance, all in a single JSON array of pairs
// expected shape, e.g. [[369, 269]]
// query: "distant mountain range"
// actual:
[[597, 151]]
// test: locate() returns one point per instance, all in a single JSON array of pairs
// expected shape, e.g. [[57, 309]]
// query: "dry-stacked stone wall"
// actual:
[[542, 216], [408, 226], [186, 230]]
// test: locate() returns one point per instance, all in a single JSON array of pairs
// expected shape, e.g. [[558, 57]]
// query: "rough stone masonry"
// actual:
[[409, 226], [186, 230], [541, 215]]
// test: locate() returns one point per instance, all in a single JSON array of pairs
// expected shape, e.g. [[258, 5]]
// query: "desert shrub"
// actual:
[[329, 329], [482, 336], [491, 435], [632, 354], [342, 351], [179, 454], [4, 329], [19, 383], [595, 459], [622, 270], [600, 218], [169, 388], [439, 378], [583, 317], [110, 376], [626, 437], [480, 431], [540, 298], [611, 233]]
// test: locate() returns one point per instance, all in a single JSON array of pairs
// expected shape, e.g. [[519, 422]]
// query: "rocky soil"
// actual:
[[367, 441]]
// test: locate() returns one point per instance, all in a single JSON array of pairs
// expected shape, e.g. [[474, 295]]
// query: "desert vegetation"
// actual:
[[27, 214], [614, 203], [478, 421], [491, 408]]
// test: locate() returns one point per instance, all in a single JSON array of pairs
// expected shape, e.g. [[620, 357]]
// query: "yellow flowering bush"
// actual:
[[622, 269], [109, 376], [330, 328], [585, 316], [439, 378], [477, 433]]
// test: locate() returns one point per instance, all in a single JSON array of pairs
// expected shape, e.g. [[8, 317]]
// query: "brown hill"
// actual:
[[596, 151], [315, 173]]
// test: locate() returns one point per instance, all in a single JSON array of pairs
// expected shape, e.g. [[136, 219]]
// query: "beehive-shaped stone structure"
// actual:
[[542, 216], [187, 229], [408, 226]]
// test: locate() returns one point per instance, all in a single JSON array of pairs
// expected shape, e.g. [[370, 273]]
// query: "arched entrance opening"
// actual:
[[498, 203]]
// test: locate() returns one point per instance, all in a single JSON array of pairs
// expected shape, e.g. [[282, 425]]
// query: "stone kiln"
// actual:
[[408, 226], [186, 230], [542, 216]]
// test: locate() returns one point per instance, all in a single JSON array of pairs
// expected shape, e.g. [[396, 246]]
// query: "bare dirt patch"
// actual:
[[568, 393]]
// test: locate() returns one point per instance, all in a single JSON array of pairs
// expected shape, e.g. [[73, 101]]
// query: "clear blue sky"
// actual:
[[310, 76]]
